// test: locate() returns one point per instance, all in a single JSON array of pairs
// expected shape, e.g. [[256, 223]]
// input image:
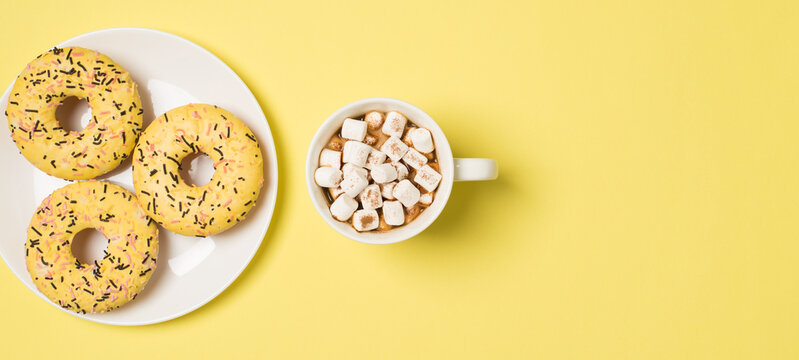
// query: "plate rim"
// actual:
[[272, 168]]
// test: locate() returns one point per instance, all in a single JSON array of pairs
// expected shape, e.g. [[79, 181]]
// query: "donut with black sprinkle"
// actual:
[[108, 283], [189, 209], [113, 98]]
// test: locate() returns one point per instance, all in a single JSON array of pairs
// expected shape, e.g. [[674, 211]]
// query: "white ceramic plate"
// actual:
[[171, 71]]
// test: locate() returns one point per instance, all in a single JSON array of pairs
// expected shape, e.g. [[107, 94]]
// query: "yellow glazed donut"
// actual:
[[106, 284], [116, 113], [189, 209]]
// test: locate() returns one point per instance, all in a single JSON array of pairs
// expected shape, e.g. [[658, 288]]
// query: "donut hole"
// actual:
[[73, 114], [197, 169], [89, 245]]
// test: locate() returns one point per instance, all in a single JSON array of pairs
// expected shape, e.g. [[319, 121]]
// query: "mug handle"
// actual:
[[473, 169]]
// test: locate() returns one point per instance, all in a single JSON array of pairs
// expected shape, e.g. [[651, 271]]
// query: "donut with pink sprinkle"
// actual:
[[188, 209], [113, 98], [105, 284]]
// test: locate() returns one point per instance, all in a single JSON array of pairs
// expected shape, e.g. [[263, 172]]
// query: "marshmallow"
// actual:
[[371, 198], [422, 140], [335, 192], [387, 189], [414, 158], [373, 120], [335, 144], [393, 213], [328, 177], [384, 173], [407, 137], [343, 207], [376, 157], [370, 140], [365, 220], [353, 184], [356, 152], [330, 158], [393, 147], [402, 170], [353, 129], [426, 199], [406, 193], [413, 212], [348, 169], [395, 124], [427, 178]]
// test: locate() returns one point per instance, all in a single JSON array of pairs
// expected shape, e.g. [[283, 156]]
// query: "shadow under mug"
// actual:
[[452, 169]]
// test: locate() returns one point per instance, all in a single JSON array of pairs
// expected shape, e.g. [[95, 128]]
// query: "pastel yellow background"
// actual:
[[646, 208]]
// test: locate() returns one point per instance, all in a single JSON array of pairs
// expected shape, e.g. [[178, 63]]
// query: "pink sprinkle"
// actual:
[[77, 54], [196, 114], [131, 242], [228, 203]]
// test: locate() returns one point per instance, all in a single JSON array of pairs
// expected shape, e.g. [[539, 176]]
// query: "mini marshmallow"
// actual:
[[335, 145], [426, 199], [356, 153], [422, 140], [343, 207], [393, 147], [370, 140], [427, 178], [365, 220], [395, 124], [393, 213], [407, 137], [328, 177], [330, 158], [373, 120], [376, 157], [353, 129], [406, 193], [414, 159], [387, 189], [348, 169], [402, 170], [384, 173], [354, 184], [371, 198], [335, 192]]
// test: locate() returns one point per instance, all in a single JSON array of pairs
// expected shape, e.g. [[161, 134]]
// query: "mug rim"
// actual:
[[444, 157]]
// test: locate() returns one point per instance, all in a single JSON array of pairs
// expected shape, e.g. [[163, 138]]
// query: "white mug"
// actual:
[[451, 169]]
